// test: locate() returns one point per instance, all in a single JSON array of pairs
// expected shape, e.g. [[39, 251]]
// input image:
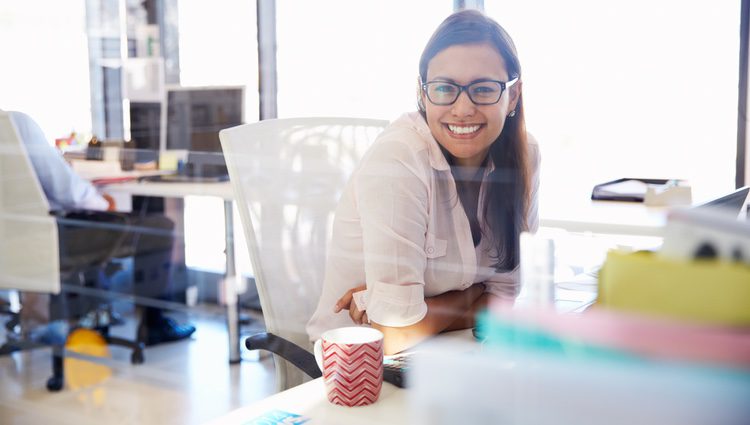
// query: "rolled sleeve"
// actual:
[[396, 305], [392, 203]]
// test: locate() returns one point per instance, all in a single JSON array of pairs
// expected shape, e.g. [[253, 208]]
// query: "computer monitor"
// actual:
[[729, 204], [194, 116]]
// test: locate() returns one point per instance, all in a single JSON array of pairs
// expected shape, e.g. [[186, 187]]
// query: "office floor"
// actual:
[[186, 382]]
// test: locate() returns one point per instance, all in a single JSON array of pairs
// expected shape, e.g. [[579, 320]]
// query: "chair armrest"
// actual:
[[289, 351]]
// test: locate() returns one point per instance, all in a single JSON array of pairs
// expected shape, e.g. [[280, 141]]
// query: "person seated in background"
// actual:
[[148, 238], [430, 221]]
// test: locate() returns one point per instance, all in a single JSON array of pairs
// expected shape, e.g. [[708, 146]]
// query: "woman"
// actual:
[[430, 221]]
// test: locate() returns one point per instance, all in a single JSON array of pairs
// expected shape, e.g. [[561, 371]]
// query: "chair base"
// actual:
[[57, 381]]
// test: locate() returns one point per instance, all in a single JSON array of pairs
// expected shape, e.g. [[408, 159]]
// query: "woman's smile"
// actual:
[[463, 131]]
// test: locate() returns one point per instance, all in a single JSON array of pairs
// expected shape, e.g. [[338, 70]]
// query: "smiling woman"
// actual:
[[427, 230]]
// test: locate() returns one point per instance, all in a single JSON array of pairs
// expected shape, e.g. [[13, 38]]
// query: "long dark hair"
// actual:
[[507, 196]]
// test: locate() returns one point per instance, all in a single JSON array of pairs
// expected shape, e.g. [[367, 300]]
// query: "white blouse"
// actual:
[[401, 229]]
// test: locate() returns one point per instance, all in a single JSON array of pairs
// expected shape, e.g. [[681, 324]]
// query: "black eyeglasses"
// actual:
[[482, 92]]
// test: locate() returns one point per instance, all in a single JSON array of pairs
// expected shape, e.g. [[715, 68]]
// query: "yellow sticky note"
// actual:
[[704, 291]]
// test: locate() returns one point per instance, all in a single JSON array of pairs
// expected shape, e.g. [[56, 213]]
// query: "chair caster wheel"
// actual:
[[54, 384], [137, 357]]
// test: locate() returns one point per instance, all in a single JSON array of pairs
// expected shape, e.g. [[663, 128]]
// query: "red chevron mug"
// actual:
[[352, 363]]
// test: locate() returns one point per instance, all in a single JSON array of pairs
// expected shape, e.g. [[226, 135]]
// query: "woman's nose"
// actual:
[[463, 106]]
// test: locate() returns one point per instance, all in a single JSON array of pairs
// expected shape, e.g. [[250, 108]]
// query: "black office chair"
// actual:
[[94, 267], [83, 273]]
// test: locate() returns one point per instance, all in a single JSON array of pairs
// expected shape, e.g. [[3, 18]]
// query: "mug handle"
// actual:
[[318, 351]]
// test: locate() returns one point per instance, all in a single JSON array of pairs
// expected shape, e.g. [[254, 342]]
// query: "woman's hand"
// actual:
[[347, 303]]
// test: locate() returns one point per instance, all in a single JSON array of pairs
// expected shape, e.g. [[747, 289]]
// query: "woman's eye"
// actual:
[[445, 88], [484, 90]]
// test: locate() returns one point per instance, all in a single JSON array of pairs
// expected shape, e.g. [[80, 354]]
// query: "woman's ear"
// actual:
[[514, 93], [420, 95]]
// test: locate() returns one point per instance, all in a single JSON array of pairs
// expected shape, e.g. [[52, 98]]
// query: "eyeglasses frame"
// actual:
[[504, 85]]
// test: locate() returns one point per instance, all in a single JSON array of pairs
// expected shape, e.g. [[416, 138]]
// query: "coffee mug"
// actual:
[[351, 360]]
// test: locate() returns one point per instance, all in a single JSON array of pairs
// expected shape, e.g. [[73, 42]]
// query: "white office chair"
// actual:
[[29, 250], [29, 258], [287, 176]]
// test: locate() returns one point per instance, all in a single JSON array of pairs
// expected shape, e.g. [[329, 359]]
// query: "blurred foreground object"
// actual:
[[699, 291], [82, 373], [701, 273], [541, 368]]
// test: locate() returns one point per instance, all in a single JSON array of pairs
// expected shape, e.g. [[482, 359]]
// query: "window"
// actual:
[[631, 88], [345, 58], [218, 47], [43, 43]]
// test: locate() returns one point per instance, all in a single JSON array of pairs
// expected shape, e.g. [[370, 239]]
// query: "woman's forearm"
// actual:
[[442, 311], [468, 319]]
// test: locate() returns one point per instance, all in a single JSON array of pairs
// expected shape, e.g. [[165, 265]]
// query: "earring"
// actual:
[[512, 114]]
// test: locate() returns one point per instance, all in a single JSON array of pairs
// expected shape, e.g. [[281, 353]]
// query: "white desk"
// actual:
[[221, 190], [309, 400], [579, 213]]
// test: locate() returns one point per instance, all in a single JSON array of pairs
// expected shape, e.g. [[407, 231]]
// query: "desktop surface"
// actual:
[[580, 214]]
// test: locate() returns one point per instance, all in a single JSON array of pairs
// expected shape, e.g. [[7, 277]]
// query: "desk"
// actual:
[[392, 407], [221, 190], [581, 214], [309, 400]]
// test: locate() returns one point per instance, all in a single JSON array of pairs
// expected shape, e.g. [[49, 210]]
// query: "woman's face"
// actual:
[[465, 129]]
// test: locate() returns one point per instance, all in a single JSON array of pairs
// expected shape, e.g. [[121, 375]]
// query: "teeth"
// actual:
[[463, 129]]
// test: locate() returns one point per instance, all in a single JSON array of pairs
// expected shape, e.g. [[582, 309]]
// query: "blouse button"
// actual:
[[430, 250]]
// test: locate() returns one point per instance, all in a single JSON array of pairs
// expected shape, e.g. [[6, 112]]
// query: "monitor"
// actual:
[[194, 116], [730, 204]]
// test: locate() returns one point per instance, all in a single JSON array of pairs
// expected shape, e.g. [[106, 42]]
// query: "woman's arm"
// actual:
[[468, 319], [450, 311], [442, 311]]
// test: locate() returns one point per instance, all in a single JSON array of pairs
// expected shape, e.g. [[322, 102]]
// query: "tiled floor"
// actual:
[[180, 383]]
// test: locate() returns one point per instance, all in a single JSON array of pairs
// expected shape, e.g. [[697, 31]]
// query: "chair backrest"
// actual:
[[287, 176], [29, 258]]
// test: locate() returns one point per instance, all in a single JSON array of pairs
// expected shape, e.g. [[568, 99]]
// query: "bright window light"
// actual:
[[352, 58], [632, 88], [45, 70], [218, 46]]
